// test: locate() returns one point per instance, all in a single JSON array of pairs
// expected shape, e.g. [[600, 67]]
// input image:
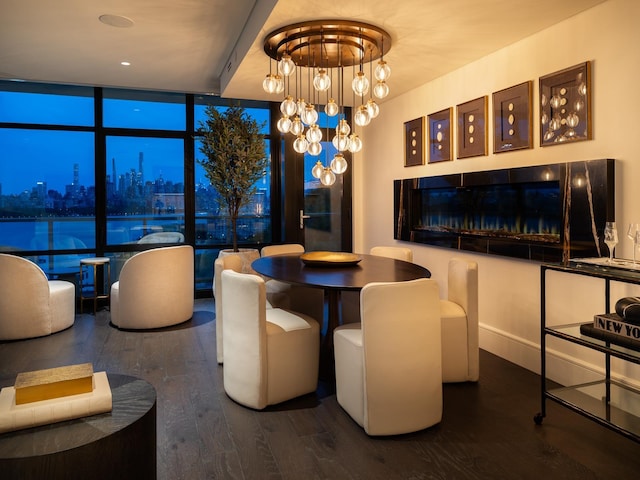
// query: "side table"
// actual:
[[118, 444], [96, 293]]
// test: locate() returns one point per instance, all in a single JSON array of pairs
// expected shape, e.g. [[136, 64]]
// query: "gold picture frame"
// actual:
[[513, 118], [414, 142], [565, 105], [440, 142], [472, 128]]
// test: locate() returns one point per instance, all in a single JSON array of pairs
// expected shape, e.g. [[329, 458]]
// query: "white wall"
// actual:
[[608, 36]]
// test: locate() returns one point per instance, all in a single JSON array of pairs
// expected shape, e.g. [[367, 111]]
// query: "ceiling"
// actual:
[[215, 46]]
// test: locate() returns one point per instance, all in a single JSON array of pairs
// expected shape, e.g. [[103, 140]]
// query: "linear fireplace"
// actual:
[[546, 213]]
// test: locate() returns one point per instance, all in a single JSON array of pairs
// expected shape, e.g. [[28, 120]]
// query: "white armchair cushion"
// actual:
[[286, 320]]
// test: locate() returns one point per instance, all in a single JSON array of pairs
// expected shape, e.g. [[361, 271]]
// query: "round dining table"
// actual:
[[335, 278]]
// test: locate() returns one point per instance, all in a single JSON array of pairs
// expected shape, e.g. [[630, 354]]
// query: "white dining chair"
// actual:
[[270, 355], [399, 253], [350, 301], [459, 311], [389, 366], [233, 262], [307, 300]]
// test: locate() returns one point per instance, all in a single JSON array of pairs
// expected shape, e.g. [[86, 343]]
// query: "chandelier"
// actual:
[[318, 58]]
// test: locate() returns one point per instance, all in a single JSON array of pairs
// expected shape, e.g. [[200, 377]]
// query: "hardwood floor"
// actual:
[[487, 431]]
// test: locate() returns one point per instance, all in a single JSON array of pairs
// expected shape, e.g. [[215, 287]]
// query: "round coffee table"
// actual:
[[118, 444]]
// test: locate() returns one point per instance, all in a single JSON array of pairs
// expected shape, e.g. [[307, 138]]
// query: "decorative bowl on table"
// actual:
[[330, 259]]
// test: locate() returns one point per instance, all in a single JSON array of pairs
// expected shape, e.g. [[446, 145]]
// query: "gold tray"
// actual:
[[330, 259]]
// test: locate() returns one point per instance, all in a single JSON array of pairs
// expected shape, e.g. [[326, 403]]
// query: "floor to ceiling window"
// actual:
[[110, 172], [47, 173]]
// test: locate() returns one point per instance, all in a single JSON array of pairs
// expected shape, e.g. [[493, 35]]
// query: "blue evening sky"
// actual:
[[31, 156]]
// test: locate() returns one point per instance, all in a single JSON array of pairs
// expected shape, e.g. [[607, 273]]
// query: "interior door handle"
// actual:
[[302, 217]]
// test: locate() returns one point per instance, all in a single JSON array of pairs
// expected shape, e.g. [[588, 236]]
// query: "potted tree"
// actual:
[[235, 158]]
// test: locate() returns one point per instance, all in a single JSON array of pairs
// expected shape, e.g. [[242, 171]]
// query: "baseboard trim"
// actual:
[[563, 368]]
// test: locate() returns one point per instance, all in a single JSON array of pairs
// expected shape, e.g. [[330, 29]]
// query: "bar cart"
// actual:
[[606, 401]]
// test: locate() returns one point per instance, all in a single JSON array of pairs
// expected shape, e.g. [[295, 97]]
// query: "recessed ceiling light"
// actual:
[[125, 64], [116, 21]]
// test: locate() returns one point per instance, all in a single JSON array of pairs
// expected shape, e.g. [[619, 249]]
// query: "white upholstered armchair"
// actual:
[[270, 355], [30, 304], [155, 289], [460, 350], [388, 367]]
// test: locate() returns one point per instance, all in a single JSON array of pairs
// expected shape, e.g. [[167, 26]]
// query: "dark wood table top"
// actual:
[[132, 397], [372, 268]]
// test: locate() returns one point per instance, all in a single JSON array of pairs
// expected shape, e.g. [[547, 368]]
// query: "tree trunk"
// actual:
[[234, 233]]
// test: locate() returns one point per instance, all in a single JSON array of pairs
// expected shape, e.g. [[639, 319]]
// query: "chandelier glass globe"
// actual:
[[280, 83], [360, 84], [339, 164], [362, 117], [301, 105], [286, 66], [331, 108], [317, 169], [270, 83], [343, 127], [327, 178], [355, 143], [314, 134], [288, 106], [381, 89], [373, 108], [309, 116], [296, 126], [340, 142], [322, 81], [284, 124], [314, 149], [300, 144], [382, 71]]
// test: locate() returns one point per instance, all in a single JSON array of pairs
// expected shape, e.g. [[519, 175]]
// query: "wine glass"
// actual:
[[611, 238], [632, 233]]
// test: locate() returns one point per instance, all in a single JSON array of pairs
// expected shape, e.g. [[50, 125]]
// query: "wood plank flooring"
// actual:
[[487, 431]]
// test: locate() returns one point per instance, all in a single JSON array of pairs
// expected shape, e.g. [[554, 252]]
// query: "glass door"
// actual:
[[315, 215], [321, 216]]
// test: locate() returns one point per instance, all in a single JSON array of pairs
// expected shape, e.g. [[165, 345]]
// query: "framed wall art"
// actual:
[[513, 118], [440, 144], [565, 105], [414, 142], [472, 128]]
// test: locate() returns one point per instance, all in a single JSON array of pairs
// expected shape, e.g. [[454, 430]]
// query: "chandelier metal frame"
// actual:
[[328, 43]]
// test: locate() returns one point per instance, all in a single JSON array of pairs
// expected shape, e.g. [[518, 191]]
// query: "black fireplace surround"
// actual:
[[546, 213]]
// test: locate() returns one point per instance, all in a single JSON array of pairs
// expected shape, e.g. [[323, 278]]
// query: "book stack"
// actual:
[[614, 328]]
